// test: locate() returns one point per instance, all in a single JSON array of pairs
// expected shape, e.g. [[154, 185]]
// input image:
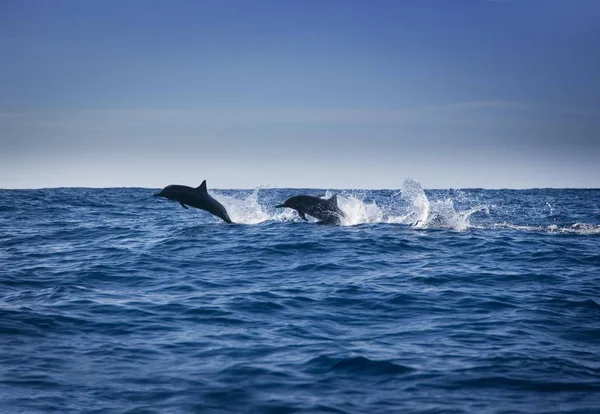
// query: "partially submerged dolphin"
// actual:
[[194, 197], [325, 210]]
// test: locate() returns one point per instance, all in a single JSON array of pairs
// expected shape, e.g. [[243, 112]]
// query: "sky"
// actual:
[[308, 94]]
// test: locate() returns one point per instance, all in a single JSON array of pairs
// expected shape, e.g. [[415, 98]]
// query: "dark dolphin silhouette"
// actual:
[[325, 210], [194, 197]]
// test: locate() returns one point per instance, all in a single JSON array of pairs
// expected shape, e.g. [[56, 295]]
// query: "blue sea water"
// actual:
[[480, 301]]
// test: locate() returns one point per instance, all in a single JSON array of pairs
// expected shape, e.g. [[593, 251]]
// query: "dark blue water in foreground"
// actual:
[[112, 301]]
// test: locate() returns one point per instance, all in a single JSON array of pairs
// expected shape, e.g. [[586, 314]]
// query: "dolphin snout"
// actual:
[[280, 206], [157, 195]]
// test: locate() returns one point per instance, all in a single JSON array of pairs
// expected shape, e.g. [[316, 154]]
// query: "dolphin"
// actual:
[[195, 197], [325, 210]]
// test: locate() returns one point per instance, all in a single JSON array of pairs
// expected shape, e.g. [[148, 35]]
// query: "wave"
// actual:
[[358, 365]]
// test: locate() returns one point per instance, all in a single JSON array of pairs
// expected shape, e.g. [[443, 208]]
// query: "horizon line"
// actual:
[[303, 188]]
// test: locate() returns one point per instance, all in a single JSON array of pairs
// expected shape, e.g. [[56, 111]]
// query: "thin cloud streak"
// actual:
[[496, 125]]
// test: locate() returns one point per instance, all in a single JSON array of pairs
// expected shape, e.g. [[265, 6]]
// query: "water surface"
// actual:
[[112, 301]]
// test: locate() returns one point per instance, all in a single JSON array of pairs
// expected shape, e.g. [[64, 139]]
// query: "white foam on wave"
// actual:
[[577, 228]]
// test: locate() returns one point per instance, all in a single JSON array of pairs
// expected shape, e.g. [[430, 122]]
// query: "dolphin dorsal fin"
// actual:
[[202, 187], [332, 200]]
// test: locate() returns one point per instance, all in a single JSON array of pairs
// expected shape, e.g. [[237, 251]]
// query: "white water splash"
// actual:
[[413, 208], [418, 204], [420, 212], [423, 213], [357, 210], [287, 214], [244, 209]]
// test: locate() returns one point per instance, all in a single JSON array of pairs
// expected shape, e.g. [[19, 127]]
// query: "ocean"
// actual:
[[435, 301]]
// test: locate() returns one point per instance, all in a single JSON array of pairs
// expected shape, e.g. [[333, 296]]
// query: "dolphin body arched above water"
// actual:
[[325, 210], [195, 197]]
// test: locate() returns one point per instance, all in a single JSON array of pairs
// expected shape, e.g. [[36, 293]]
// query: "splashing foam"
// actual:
[[420, 212], [245, 210], [357, 210], [423, 213], [416, 210], [419, 206]]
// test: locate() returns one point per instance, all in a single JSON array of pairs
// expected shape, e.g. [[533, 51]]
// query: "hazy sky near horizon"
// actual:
[[325, 94]]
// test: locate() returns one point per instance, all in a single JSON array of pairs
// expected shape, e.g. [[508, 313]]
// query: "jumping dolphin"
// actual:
[[327, 211], [194, 197]]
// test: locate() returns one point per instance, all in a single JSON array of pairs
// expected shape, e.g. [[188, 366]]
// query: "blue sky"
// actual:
[[327, 94]]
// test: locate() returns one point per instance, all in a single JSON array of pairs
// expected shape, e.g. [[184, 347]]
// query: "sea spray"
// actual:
[[412, 208], [357, 210], [244, 208]]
